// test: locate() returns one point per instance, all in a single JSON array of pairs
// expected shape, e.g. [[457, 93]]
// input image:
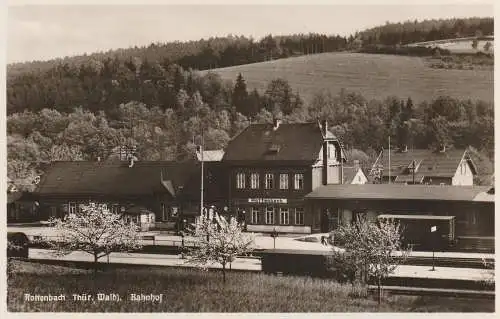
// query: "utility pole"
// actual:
[[202, 146], [413, 164]]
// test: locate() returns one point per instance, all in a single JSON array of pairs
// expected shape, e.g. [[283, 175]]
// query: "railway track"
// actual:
[[442, 292]]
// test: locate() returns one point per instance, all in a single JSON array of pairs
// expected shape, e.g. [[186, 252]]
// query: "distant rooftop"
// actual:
[[211, 156]]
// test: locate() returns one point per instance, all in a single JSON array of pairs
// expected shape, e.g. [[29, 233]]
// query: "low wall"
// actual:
[[279, 229]]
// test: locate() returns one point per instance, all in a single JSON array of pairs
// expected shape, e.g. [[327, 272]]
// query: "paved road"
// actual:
[[261, 241], [253, 264]]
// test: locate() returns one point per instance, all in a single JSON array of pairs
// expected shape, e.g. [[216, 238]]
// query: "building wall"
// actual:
[[471, 218], [334, 174], [317, 177], [164, 208], [245, 201], [437, 180], [463, 174]]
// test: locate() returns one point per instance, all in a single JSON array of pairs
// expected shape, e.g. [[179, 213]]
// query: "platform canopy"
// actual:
[[422, 217], [396, 192]]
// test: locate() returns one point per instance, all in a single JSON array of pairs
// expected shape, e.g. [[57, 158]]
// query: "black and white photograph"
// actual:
[[246, 158]]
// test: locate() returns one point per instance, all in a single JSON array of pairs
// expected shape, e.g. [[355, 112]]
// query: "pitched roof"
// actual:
[[429, 162], [211, 156], [349, 173], [396, 191], [289, 142], [488, 196], [85, 177]]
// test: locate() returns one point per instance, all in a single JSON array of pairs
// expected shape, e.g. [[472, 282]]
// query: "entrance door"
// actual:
[[329, 220]]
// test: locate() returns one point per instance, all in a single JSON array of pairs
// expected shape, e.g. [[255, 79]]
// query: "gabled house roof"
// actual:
[[349, 173], [428, 162], [299, 142], [211, 156], [105, 178]]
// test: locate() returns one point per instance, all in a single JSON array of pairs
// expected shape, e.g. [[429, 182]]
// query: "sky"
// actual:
[[40, 32]]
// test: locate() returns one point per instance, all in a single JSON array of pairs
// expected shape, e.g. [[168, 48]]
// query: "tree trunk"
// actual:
[[96, 264], [379, 291], [224, 273]]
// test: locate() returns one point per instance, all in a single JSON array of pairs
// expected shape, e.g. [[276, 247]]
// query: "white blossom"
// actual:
[[94, 230], [218, 241]]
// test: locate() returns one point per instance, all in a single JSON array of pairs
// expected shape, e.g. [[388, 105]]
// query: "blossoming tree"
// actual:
[[95, 230], [218, 241], [373, 250]]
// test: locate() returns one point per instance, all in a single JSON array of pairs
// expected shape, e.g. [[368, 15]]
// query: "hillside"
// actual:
[[374, 76]]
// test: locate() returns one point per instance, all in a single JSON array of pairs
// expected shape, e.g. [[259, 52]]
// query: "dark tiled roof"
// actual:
[[144, 178], [13, 197], [293, 142], [397, 191], [432, 163]]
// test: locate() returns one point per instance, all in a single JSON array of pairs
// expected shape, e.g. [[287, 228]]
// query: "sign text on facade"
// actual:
[[267, 200]]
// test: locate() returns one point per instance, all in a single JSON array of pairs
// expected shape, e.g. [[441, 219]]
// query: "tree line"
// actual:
[[426, 30], [233, 50], [221, 110]]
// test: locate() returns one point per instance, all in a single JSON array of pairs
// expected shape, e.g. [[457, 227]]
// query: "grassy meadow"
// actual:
[[372, 75], [192, 290]]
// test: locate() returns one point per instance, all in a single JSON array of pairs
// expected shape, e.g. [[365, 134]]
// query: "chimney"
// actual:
[[356, 165], [276, 124], [324, 127]]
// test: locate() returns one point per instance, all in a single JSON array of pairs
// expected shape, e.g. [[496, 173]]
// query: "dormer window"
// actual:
[[331, 151]]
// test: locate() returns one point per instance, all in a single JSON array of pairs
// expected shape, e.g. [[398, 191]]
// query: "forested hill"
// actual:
[[427, 30], [236, 50]]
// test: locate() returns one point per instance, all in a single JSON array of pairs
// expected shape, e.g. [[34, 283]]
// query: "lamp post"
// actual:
[[433, 239], [274, 234]]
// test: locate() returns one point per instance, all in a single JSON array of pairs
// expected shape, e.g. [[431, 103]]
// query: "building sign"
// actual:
[[267, 200]]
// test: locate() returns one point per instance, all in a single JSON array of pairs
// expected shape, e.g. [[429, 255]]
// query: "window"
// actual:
[[473, 218], [331, 151], [284, 216], [299, 181], [164, 211], [53, 211], [72, 208], [240, 180], [269, 181], [270, 215], [255, 215], [299, 216], [115, 208], [254, 180], [175, 211], [283, 181]]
